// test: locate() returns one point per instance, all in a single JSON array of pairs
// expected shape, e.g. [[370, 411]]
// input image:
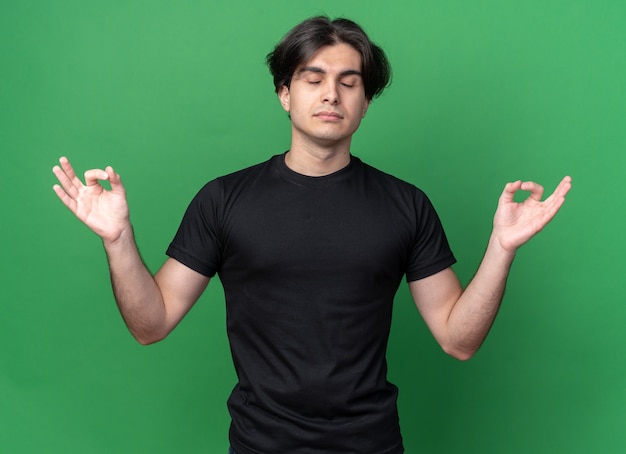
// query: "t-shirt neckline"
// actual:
[[293, 176]]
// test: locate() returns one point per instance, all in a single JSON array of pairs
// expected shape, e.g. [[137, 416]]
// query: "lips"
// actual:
[[328, 115]]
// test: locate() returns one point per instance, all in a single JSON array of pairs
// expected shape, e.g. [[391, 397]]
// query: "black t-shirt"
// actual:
[[310, 267]]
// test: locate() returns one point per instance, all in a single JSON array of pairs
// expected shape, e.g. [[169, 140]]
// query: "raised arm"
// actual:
[[460, 320], [151, 306]]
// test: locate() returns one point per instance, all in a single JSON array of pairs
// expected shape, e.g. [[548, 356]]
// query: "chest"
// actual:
[[327, 230]]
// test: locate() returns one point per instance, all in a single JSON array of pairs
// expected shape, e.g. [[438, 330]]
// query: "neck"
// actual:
[[317, 160]]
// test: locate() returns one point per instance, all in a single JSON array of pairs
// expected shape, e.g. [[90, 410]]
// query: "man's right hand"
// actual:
[[103, 211]]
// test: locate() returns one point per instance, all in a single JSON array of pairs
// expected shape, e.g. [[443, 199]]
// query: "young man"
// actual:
[[311, 247]]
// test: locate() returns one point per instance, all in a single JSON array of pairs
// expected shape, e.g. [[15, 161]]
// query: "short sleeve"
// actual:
[[430, 252], [197, 243]]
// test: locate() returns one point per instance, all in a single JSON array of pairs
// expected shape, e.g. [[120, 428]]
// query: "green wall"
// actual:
[[175, 93]]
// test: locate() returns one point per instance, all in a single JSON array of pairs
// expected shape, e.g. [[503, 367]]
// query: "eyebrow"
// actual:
[[318, 70]]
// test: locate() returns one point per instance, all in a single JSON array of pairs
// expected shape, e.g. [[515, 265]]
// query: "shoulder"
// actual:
[[399, 193], [237, 189], [239, 178], [251, 171], [388, 180]]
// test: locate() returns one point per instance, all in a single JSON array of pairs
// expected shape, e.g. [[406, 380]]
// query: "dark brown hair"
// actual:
[[306, 38]]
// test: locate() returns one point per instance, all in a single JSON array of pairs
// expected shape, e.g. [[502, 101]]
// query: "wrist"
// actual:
[[500, 251], [124, 237]]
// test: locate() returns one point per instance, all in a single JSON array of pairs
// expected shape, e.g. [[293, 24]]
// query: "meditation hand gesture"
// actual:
[[516, 223], [103, 211]]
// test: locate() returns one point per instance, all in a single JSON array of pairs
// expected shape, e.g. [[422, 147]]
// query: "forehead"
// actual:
[[336, 58]]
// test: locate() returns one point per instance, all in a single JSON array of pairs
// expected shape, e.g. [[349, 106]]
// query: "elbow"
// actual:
[[147, 339], [462, 354], [148, 333]]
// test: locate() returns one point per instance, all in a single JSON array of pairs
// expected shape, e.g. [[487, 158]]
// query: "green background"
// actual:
[[175, 93]]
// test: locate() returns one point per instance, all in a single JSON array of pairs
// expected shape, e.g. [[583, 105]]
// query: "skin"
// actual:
[[326, 102]]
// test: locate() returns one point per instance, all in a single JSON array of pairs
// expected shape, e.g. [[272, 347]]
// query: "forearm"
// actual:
[[473, 314], [460, 320], [137, 295], [151, 306]]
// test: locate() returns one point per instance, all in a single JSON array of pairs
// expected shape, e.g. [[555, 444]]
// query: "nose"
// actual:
[[330, 94]]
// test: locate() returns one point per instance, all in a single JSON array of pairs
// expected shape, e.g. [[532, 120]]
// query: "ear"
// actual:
[[366, 106], [283, 97]]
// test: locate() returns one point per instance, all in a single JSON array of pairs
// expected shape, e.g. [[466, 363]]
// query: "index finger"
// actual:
[[509, 191], [535, 189]]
